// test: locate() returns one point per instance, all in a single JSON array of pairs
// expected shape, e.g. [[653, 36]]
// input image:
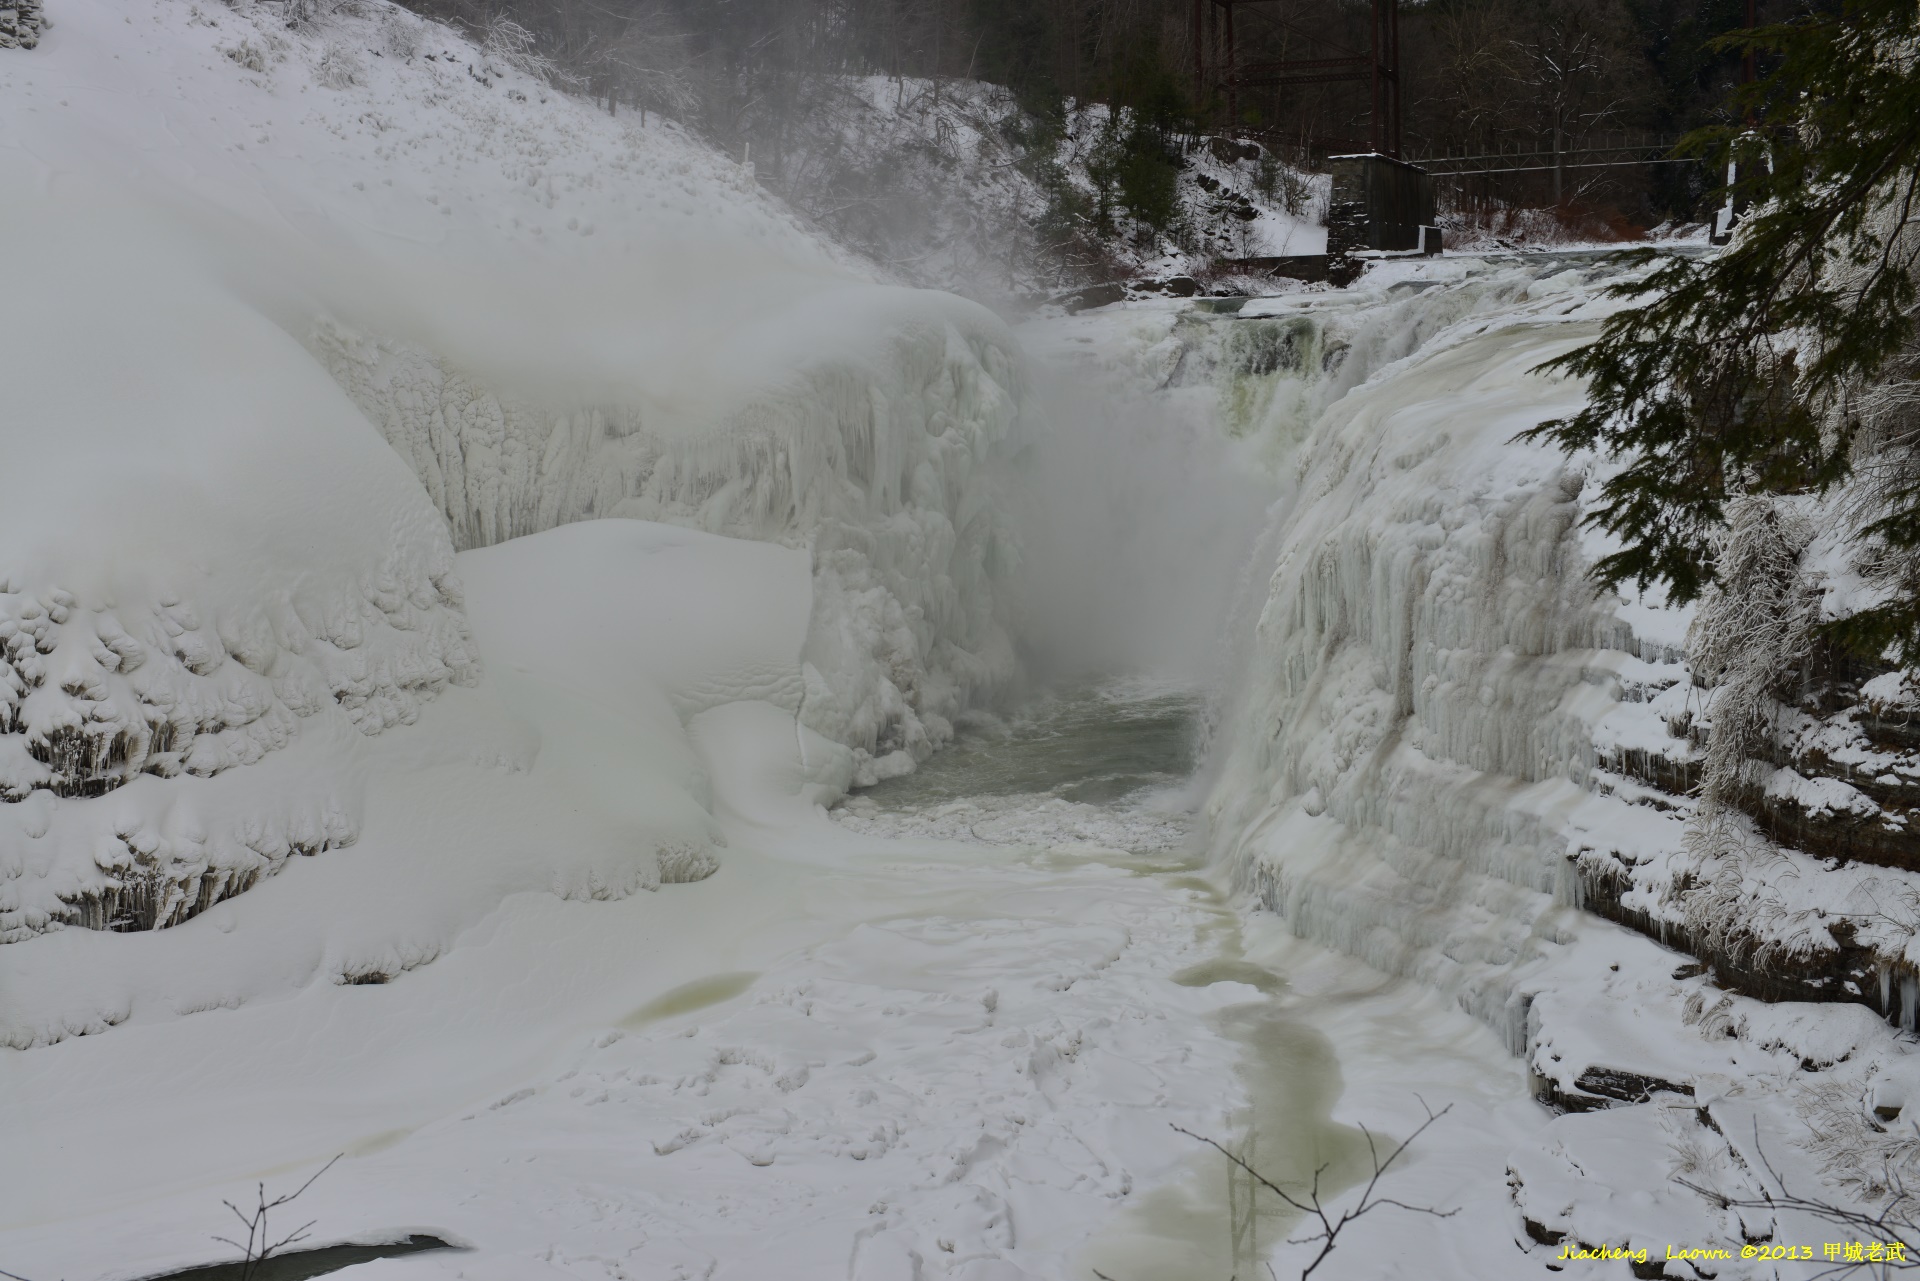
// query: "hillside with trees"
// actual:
[[1095, 109]]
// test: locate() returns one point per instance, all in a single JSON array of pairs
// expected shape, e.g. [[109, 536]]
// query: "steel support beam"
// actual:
[[1379, 66]]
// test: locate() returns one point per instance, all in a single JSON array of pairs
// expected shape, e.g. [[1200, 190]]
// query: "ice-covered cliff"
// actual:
[[1444, 753], [298, 308]]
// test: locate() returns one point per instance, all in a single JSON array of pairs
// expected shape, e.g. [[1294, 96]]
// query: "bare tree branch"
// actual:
[[1313, 1204], [260, 1244]]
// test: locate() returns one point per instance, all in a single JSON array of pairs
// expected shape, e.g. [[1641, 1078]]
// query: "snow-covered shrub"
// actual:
[[401, 33], [1875, 1159], [1750, 637], [339, 66], [305, 15], [1748, 643], [248, 55], [513, 46]]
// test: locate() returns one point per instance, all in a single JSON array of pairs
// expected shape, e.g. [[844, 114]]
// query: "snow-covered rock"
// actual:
[[20, 24]]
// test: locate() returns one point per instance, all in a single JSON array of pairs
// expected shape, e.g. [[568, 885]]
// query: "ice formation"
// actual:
[[1424, 669], [1445, 754], [319, 257], [882, 459]]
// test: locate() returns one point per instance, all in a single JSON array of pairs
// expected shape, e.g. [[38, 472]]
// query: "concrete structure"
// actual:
[[1378, 203]]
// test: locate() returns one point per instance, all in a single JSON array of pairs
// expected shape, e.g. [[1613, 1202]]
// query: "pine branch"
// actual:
[[1734, 375]]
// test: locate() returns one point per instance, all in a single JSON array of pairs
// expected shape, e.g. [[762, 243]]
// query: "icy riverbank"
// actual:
[[852, 1051], [1440, 749]]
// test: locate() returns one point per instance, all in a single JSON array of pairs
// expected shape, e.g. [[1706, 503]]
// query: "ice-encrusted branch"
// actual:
[[1892, 1225]]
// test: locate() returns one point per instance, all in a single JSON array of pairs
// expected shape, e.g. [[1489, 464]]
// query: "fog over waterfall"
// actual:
[[943, 640]]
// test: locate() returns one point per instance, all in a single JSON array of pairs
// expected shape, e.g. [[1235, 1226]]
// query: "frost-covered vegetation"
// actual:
[[1758, 403], [956, 184]]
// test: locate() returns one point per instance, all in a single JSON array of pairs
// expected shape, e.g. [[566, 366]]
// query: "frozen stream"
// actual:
[[950, 1041], [1092, 780]]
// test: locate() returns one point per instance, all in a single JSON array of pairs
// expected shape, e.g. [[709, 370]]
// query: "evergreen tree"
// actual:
[[1749, 372]]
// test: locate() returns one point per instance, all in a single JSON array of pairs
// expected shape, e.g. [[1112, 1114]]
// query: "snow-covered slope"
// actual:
[[296, 313], [952, 184]]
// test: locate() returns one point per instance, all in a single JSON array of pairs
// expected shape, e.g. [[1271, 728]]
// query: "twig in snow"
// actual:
[[260, 1245], [1330, 1226]]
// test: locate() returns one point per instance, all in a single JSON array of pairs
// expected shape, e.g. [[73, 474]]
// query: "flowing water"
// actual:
[[1094, 743], [1102, 772]]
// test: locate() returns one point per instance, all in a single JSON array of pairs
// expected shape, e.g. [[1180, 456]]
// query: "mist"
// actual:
[[1137, 517]]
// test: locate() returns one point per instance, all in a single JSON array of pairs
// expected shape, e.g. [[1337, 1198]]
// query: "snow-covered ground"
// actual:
[[857, 1049]]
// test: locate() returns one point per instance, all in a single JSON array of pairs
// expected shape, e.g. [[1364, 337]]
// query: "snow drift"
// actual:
[[308, 311]]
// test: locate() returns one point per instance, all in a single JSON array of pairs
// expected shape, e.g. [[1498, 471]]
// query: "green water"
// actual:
[[1100, 744], [688, 997], [1214, 1221], [299, 1265], [1091, 743]]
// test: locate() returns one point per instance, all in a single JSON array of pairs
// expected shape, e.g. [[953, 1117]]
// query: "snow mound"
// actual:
[[182, 597], [309, 310]]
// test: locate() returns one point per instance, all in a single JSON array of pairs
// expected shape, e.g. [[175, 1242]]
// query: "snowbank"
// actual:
[[230, 617]]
